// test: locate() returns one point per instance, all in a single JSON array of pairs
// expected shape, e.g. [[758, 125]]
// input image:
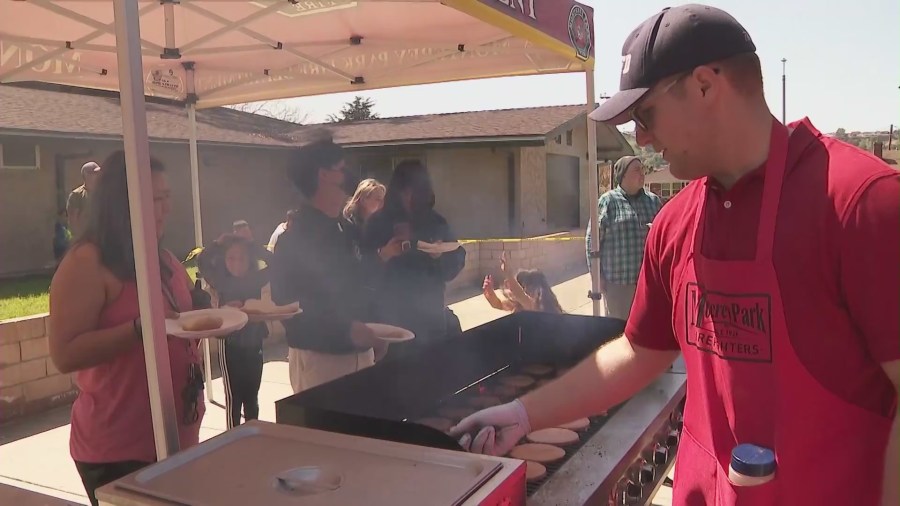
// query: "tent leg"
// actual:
[[198, 230], [140, 201], [593, 184]]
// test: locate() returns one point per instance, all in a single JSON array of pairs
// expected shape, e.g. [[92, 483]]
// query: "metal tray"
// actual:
[[264, 463]]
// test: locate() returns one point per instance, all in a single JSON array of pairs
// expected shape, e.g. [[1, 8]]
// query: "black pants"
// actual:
[[94, 476], [242, 365]]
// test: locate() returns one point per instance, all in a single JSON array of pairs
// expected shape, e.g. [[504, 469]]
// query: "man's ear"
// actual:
[[706, 80]]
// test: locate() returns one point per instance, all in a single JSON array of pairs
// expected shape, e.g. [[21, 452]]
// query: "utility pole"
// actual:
[[783, 91]]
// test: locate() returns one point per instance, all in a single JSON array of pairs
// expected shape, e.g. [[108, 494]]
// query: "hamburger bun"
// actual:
[[553, 436], [540, 453], [202, 323], [534, 471]]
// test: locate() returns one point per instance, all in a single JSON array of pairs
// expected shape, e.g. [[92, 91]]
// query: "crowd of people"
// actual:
[[348, 255]]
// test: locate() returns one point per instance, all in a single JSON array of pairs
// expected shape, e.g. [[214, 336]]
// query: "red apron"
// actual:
[[747, 385]]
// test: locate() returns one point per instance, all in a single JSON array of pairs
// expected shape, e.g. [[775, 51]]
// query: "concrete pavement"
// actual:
[[34, 452]]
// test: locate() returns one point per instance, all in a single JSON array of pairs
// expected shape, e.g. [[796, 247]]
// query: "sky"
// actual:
[[843, 65]]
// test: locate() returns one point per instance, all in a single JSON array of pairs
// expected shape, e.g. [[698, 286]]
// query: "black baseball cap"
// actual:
[[675, 40]]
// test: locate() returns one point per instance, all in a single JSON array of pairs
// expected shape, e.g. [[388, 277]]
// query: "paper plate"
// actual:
[[443, 247], [232, 320], [265, 311], [271, 317], [390, 333]]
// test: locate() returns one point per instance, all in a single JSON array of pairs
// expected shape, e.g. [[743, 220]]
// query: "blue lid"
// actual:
[[752, 460]]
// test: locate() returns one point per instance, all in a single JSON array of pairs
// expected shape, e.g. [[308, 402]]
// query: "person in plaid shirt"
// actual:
[[625, 214]]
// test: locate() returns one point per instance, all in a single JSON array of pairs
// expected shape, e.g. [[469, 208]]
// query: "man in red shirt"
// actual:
[[776, 273]]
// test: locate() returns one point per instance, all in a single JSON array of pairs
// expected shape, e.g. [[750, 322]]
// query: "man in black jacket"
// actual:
[[318, 264]]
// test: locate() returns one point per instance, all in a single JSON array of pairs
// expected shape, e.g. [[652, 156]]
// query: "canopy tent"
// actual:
[[219, 52], [209, 53]]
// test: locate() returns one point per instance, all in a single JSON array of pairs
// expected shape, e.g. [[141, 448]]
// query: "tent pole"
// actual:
[[594, 186], [144, 238], [198, 227]]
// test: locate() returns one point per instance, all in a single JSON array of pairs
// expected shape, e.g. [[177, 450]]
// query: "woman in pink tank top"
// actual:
[[95, 332]]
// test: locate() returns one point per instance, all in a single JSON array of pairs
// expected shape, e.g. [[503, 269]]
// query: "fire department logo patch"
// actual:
[[580, 32]]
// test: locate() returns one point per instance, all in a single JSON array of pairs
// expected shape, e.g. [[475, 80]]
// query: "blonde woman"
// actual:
[[366, 201]]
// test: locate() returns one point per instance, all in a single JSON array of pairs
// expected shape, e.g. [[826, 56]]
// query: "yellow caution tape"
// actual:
[[524, 239]]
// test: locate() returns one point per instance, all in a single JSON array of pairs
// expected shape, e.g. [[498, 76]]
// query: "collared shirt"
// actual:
[[624, 226], [837, 241]]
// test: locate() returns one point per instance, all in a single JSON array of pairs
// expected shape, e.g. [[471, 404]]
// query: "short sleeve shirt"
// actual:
[[836, 256]]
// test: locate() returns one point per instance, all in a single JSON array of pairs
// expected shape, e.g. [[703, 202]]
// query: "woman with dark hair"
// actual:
[[95, 332], [409, 290]]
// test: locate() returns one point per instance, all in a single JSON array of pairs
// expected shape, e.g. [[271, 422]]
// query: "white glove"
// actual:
[[493, 431]]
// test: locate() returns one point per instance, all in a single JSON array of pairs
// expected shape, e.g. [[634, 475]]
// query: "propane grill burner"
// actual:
[[621, 458]]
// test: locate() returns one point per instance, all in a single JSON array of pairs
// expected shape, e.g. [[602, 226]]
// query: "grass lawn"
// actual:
[[28, 296], [24, 297]]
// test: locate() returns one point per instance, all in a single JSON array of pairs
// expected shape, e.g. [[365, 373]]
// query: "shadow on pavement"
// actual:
[[35, 424]]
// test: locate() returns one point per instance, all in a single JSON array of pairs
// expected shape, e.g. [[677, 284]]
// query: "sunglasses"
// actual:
[[191, 393], [643, 115]]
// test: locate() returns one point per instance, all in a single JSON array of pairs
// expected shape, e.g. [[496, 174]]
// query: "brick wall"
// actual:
[[29, 382]]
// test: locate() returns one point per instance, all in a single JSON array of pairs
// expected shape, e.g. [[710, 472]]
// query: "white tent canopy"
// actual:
[[209, 53], [219, 52]]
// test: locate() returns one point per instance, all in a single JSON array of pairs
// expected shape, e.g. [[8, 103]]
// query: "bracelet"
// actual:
[[136, 326]]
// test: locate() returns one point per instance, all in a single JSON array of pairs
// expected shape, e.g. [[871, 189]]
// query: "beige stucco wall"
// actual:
[[531, 191], [27, 213], [579, 149], [235, 183], [470, 183], [472, 188]]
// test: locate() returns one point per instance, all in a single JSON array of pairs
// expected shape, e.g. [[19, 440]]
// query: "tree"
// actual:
[[359, 109], [841, 134], [273, 109], [650, 158]]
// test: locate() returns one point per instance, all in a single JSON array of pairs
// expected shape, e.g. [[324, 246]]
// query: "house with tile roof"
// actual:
[[505, 173]]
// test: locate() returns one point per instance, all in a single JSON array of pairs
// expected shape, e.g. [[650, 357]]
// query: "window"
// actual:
[[568, 137], [666, 190], [559, 139], [19, 156]]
